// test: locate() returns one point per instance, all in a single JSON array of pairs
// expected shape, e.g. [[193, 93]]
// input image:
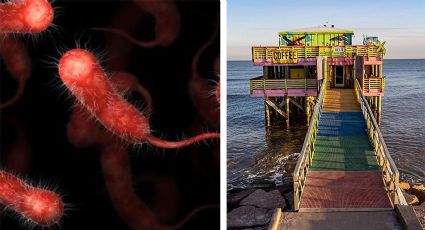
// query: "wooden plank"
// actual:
[[276, 107], [296, 104], [341, 100], [344, 209], [274, 222]]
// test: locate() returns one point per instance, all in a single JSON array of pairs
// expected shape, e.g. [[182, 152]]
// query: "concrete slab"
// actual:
[[408, 218], [386, 220]]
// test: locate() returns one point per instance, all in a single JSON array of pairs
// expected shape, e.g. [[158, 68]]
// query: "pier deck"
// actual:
[[345, 177], [344, 173]]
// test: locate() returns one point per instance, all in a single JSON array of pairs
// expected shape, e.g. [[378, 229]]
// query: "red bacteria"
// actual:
[[25, 16], [200, 89], [18, 64], [83, 131], [21, 16], [167, 23], [217, 92], [167, 20], [40, 206], [126, 83], [114, 114], [84, 77], [117, 173]]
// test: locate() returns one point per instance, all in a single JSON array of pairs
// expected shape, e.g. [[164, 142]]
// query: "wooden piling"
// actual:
[[379, 110], [287, 110], [266, 72], [267, 112], [307, 109], [375, 103]]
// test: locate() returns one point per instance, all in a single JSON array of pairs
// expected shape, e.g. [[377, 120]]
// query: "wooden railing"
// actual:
[[306, 156], [264, 54], [373, 84], [390, 173], [261, 83]]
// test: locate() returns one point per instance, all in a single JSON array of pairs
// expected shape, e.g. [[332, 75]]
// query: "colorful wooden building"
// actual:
[[294, 70]]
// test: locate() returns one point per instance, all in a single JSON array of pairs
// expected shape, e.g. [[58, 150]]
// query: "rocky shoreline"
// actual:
[[415, 197], [252, 209]]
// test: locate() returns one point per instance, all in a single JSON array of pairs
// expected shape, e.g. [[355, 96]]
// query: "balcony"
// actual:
[[373, 86], [261, 87], [272, 55]]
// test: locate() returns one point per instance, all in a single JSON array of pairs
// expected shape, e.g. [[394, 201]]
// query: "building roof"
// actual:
[[318, 29]]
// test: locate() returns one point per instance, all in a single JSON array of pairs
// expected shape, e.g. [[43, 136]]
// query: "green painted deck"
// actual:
[[344, 174]]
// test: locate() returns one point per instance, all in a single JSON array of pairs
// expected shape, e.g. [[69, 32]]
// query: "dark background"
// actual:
[[189, 176]]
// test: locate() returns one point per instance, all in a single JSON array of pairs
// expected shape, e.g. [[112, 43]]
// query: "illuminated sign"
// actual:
[[284, 56]]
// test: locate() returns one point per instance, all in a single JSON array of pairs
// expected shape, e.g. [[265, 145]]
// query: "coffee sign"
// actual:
[[284, 56]]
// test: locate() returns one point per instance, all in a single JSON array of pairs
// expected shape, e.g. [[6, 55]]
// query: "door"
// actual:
[[339, 76]]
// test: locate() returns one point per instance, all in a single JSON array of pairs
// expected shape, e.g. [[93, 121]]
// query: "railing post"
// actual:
[[368, 85], [250, 86], [396, 184], [382, 85], [296, 192]]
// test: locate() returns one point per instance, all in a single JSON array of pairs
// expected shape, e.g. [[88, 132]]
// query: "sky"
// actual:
[[257, 22]]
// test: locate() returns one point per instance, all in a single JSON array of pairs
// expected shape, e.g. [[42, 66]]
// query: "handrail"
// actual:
[[251, 83], [307, 151], [373, 83], [261, 83], [390, 173]]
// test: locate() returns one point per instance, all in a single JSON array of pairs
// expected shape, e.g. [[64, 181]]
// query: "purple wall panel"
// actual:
[[359, 67]]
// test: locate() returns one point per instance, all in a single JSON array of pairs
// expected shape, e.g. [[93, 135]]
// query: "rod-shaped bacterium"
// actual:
[[25, 16], [40, 206], [167, 23], [18, 63], [85, 78]]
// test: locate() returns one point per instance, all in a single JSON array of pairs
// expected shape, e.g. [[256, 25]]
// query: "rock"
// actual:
[[234, 199], [262, 199], [404, 185], [420, 194], [290, 166], [290, 199], [261, 183], [411, 199], [419, 187], [248, 216], [420, 213], [287, 185]]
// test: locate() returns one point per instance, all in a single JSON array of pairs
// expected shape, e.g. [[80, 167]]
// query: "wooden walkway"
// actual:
[[344, 174]]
